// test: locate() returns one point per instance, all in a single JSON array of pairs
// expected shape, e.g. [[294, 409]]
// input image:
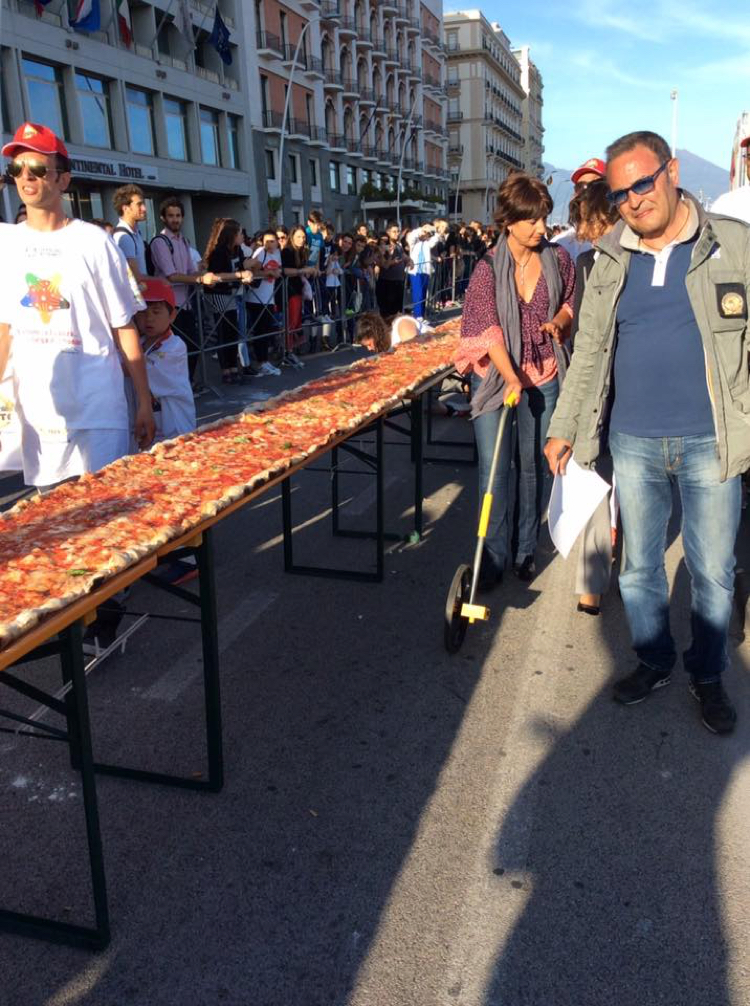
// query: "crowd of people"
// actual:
[[620, 343]]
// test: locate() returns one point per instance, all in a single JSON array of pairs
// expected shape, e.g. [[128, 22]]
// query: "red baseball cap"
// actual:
[[745, 142], [32, 136], [592, 166], [157, 289]]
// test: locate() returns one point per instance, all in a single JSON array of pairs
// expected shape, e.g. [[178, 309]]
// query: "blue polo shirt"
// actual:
[[660, 384]]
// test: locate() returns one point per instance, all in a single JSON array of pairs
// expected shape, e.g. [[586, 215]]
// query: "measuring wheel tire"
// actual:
[[454, 629]]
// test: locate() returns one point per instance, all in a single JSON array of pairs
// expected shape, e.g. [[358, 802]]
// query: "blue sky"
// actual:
[[609, 68]]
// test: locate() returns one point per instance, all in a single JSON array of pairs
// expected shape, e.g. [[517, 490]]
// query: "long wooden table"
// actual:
[[61, 635]]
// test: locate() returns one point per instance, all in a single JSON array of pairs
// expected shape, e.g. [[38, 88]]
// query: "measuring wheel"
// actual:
[[454, 629]]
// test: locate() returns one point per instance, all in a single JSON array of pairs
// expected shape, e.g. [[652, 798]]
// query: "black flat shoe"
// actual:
[[526, 569], [588, 609]]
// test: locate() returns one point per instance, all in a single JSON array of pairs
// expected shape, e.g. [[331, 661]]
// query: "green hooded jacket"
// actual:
[[718, 284]]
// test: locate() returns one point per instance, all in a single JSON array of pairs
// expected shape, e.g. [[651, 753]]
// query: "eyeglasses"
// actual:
[[640, 188], [36, 169]]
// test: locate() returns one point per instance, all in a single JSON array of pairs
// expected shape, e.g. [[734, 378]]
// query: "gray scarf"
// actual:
[[489, 395]]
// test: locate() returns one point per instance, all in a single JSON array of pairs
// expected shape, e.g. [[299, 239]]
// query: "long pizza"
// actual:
[[55, 548]]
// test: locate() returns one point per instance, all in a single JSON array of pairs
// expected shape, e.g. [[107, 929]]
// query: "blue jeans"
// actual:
[[419, 284], [645, 470], [526, 428]]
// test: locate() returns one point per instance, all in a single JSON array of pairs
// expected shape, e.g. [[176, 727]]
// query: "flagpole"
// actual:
[[161, 23], [112, 16]]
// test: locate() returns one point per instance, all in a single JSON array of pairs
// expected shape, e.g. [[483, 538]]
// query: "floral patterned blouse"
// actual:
[[480, 326]]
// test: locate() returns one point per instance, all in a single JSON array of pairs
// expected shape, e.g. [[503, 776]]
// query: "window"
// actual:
[[175, 118], [209, 136], [282, 30], [264, 94], [140, 120], [93, 95], [44, 88], [234, 141], [293, 173], [351, 180], [314, 182], [271, 164], [335, 176]]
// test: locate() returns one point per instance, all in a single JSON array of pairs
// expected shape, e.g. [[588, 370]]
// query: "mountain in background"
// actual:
[[697, 175]]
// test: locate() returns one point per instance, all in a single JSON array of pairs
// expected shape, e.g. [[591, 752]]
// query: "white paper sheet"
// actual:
[[575, 497]]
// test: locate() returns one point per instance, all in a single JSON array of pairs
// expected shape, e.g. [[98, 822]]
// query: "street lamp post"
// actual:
[[287, 99], [401, 160], [674, 98]]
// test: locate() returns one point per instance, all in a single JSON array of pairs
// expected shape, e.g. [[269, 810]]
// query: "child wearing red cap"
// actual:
[[166, 362]]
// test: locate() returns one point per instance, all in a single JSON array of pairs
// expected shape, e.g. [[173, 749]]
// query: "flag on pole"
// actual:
[[39, 6], [219, 39], [124, 23], [184, 23], [87, 16]]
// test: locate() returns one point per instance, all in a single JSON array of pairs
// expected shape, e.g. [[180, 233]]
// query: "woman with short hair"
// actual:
[[516, 320]]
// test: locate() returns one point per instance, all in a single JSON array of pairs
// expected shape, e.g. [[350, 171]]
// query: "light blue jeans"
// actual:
[[525, 435], [645, 470]]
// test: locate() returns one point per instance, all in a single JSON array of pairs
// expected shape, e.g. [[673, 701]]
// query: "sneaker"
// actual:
[[637, 685], [286, 361], [269, 370], [717, 712], [295, 361]]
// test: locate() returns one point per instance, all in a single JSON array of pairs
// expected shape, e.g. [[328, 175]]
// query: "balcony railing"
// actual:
[[266, 40], [392, 55], [329, 9], [336, 141], [454, 116], [353, 145], [318, 134], [272, 120], [430, 81], [366, 96], [347, 24], [369, 151], [350, 86], [333, 78]]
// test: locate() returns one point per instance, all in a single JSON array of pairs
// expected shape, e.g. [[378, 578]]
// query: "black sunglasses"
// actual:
[[36, 168], [640, 188]]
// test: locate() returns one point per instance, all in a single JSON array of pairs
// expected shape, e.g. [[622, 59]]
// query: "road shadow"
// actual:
[[611, 849]]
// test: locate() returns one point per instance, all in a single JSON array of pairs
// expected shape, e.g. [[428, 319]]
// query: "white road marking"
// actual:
[[189, 667]]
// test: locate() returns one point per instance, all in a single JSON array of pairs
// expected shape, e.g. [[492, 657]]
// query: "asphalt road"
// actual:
[[399, 827]]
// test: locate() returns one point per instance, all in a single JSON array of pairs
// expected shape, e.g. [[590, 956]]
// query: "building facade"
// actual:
[[487, 110], [367, 104], [531, 108], [367, 99], [154, 112]]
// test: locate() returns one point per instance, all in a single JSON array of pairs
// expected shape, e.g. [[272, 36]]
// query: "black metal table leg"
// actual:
[[417, 407], [94, 937], [210, 634]]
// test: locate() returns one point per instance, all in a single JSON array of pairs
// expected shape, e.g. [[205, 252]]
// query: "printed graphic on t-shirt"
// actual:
[[45, 296]]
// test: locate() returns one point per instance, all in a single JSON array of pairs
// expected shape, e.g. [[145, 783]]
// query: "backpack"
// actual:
[[150, 266]]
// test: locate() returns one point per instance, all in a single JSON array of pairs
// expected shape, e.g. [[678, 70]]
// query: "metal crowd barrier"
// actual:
[[327, 320]]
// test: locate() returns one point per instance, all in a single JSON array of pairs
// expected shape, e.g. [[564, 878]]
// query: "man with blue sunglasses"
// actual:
[[661, 369]]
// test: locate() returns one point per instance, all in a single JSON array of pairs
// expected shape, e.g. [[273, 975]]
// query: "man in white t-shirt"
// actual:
[[737, 202], [130, 206], [66, 308]]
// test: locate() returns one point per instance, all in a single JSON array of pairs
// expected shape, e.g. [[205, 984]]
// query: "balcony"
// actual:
[[382, 102], [392, 57], [369, 152], [314, 66], [454, 116], [311, 5], [299, 128], [389, 6], [366, 96], [383, 156], [393, 107], [363, 39], [329, 10], [413, 27], [332, 80], [429, 81], [378, 46], [402, 15], [433, 127], [318, 136], [336, 141], [268, 44], [455, 148], [415, 73], [353, 146], [347, 26], [350, 88], [453, 85], [272, 121]]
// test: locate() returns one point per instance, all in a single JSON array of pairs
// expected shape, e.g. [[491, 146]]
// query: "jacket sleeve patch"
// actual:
[[731, 299]]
